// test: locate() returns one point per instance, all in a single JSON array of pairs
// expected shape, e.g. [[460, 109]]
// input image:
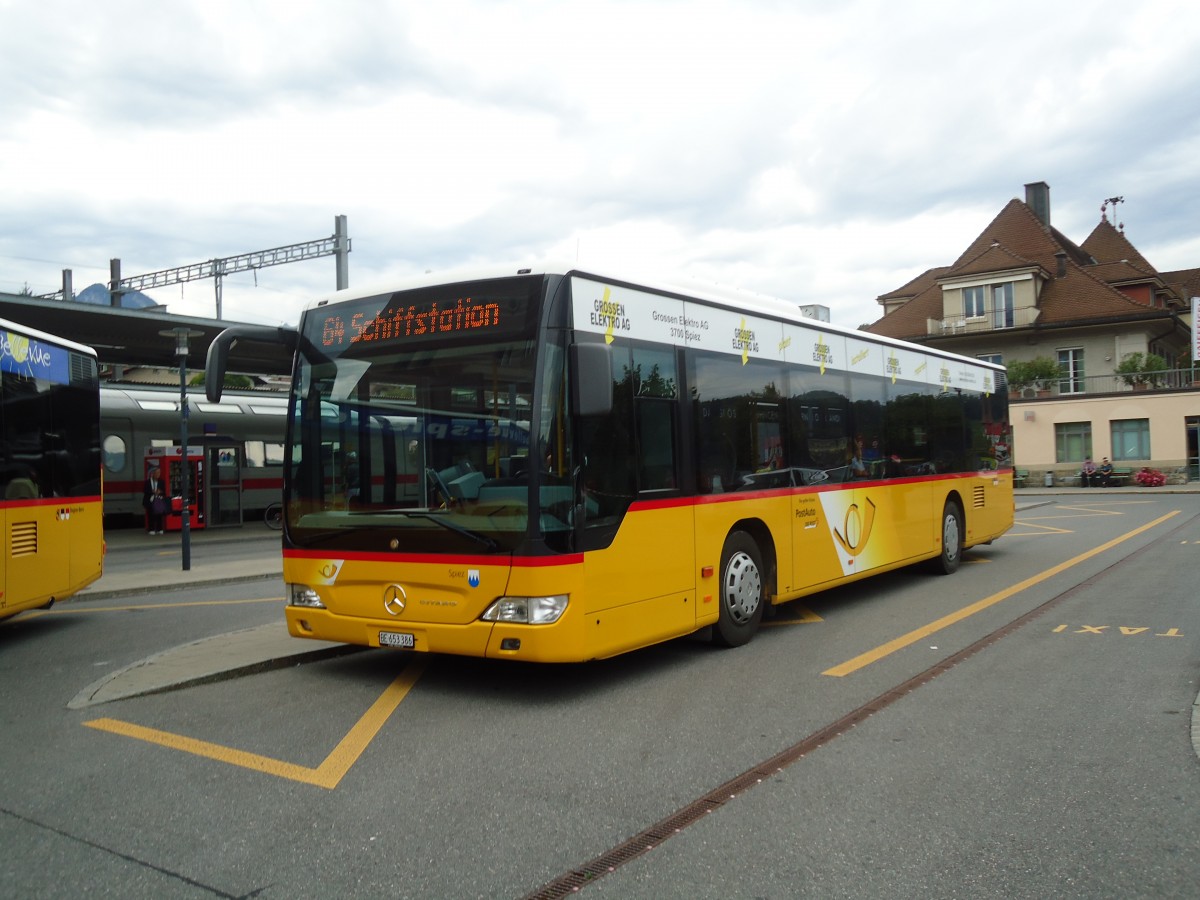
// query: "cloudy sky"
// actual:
[[823, 152]]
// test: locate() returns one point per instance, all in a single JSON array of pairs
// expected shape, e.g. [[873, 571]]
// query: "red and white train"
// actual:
[[238, 444]]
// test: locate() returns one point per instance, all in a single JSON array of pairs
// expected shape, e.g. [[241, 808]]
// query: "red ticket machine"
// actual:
[[169, 461]]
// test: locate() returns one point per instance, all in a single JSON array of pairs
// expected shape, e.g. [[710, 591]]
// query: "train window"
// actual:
[[162, 405], [218, 408], [114, 453], [268, 410], [255, 453], [263, 453]]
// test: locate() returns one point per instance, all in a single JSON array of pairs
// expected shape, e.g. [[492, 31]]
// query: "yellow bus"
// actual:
[[563, 465], [50, 506]]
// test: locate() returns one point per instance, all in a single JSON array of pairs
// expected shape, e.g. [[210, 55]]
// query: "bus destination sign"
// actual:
[[499, 309], [414, 320]]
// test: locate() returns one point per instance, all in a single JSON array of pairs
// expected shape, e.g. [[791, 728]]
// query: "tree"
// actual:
[[1139, 369], [233, 381], [1037, 372]]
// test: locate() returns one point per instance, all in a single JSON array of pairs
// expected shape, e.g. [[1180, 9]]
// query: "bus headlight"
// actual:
[[527, 610], [303, 595]]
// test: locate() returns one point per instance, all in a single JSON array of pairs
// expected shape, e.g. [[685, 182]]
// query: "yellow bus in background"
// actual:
[[564, 465], [50, 506]]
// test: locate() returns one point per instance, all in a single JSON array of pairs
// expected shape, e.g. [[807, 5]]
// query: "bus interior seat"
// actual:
[[456, 471], [466, 487], [20, 489]]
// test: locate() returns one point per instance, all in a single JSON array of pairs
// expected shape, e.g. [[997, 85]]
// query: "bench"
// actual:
[[1116, 479], [1020, 477]]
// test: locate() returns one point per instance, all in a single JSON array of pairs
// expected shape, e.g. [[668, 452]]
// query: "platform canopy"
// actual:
[[133, 337]]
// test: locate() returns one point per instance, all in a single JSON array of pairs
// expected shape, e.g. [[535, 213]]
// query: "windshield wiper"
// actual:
[[452, 526]]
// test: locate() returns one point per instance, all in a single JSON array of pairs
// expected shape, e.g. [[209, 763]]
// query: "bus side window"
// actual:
[[656, 439], [655, 391], [607, 448]]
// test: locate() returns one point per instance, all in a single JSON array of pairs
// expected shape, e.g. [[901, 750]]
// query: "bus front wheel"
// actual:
[[952, 540], [741, 591]]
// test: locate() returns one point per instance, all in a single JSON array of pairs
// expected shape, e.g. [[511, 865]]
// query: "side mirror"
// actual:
[[217, 360], [591, 379]]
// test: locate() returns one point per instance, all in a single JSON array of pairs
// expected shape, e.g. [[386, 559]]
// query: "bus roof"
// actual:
[[9, 325], [716, 294]]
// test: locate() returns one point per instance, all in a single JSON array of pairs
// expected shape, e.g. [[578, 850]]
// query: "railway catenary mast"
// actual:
[[336, 245]]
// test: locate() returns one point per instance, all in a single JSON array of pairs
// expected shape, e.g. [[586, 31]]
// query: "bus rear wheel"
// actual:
[[952, 540], [741, 591]]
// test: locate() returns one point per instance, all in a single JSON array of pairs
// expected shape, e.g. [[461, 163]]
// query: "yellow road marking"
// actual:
[[1085, 511], [326, 775], [802, 616], [1045, 529], [871, 656]]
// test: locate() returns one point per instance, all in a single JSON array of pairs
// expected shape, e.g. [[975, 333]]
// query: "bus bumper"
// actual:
[[528, 643]]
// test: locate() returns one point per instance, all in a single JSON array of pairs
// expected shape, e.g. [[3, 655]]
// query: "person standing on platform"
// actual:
[[154, 500]]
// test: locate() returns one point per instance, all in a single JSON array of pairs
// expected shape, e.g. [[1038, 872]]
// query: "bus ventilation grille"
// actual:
[[979, 497], [24, 538]]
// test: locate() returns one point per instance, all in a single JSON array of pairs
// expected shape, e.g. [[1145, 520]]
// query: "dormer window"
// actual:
[[995, 300], [988, 301], [1002, 305], [974, 300]]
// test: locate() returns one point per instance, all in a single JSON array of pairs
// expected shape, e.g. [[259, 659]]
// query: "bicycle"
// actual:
[[274, 516]]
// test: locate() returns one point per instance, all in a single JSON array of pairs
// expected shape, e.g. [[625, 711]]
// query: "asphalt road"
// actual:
[[1023, 728]]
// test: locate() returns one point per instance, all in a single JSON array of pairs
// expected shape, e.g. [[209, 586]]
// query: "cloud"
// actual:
[[826, 153]]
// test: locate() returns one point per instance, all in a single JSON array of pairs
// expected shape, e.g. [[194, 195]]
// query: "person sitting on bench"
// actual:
[[1087, 475]]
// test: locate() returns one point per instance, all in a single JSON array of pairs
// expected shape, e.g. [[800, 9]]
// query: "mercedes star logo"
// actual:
[[394, 599]]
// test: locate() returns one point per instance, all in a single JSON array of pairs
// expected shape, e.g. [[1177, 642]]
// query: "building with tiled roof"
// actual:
[[1020, 291]]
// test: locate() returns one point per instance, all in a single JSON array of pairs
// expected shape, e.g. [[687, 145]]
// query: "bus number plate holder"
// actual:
[[400, 639]]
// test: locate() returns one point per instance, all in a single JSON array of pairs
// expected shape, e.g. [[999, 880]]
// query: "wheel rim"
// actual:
[[951, 538], [743, 588]]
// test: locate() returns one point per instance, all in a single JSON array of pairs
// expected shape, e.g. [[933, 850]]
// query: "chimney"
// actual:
[[1037, 196], [1061, 256]]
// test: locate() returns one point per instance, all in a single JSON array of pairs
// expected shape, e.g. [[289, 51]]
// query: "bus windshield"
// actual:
[[412, 422]]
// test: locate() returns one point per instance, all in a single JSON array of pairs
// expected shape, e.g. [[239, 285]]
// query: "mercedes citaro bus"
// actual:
[[563, 464]]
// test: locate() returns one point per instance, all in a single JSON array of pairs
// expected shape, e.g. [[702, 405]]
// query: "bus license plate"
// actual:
[[397, 639]]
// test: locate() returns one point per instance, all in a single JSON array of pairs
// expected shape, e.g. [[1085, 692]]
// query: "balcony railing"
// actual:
[[1169, 380], [990, 321]]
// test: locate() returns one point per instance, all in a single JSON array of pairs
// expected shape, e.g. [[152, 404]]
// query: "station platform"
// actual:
[[136, 562]]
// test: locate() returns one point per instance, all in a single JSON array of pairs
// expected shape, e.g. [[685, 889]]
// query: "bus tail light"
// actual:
[[527, 610], [303, 595]]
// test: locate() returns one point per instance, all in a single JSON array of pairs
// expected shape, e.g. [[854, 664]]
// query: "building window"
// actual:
[[1131, 439], [974, 299], [1072, 441], [1002, 305], [1071, 363]]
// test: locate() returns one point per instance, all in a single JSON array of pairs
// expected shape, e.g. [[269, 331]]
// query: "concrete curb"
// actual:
[[209, 660]]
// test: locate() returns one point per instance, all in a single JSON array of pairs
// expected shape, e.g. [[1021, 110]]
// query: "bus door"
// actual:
[[224, 484]]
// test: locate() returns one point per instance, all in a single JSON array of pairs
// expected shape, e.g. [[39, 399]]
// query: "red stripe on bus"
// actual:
[[860, 484], [49, 501], [521, 562]]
